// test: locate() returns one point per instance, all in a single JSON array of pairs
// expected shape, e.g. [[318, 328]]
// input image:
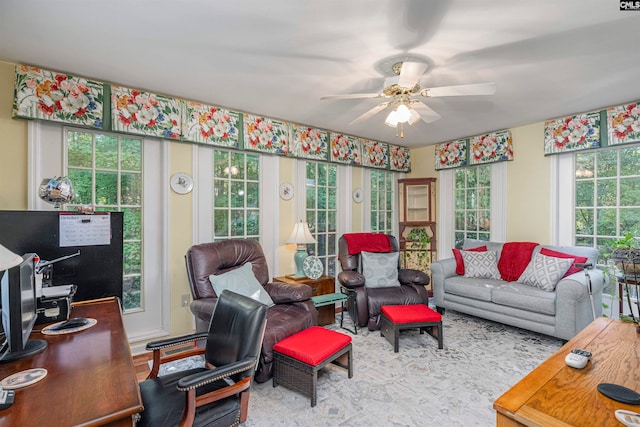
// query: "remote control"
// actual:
[[578, 358], [6, 398]]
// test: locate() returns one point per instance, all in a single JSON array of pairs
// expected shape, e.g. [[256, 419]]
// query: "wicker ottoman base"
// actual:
[[303, 377], [421, 317]]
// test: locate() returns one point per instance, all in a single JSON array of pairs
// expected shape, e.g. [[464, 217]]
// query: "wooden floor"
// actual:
[[141, 365]]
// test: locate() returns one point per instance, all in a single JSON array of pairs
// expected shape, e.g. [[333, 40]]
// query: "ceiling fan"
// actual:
[[402, 90]]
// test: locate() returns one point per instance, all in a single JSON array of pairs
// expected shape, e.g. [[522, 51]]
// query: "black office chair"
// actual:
[[217, 394]]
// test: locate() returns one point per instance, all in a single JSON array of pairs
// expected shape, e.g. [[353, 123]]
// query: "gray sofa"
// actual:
[[561, 313]]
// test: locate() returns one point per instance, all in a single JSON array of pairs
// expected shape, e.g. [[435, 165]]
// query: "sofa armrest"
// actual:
[[351, 279], [409, 276], [441, 270], [573, 305], [283, 293]]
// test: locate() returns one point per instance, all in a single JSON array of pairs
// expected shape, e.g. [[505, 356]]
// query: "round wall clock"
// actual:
[[357, 195], [312, 267], [286, 191], [181, 183]]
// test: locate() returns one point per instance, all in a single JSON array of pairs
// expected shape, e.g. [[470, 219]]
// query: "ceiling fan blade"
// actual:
[[375, 110], [354, 96], [410, 73], [426, 113], [461, 90]]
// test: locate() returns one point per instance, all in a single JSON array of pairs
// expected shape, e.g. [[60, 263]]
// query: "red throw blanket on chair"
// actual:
[[514, 259], [367, 242]]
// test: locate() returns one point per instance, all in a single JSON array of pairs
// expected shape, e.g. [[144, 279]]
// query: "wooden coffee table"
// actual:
[[556, 395]]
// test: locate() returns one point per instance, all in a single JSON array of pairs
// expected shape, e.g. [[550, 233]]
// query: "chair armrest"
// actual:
[[172, 342], [205, 377], [351, 279], [409, 276], [284, 293]]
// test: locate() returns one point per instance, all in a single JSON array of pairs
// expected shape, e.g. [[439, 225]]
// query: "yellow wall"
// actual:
[[527, 192], [13, 146]]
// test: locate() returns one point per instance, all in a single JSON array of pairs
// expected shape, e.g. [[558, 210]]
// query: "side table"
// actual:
[[321, 286]]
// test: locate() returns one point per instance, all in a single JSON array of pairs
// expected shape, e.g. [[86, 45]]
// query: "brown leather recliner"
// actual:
[[369, 300], [293, 310]]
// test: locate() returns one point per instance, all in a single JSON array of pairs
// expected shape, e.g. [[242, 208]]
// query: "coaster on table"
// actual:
[[23, 378], [619, 393], [51, 329]]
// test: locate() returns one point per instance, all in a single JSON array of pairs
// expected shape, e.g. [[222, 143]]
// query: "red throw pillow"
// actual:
[[576, 259], [458, 256]]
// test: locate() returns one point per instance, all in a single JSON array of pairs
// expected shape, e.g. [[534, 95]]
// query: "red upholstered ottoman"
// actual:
[[298, 358], [399, 317]]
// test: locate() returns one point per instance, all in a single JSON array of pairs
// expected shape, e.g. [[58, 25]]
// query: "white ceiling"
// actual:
[[549, 58]]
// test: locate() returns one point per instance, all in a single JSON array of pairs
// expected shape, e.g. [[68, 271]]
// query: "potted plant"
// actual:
[[416, 254]]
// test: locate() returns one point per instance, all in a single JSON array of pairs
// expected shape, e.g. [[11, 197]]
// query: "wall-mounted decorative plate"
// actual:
[[312, 267], [181, 183], [286, 191], [357, 195]]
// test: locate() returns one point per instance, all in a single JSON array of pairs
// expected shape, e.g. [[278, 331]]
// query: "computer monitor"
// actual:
[[19, 311]]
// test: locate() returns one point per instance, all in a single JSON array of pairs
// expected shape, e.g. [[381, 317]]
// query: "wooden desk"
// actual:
[[321, 286], [556, 395], [91, 379]]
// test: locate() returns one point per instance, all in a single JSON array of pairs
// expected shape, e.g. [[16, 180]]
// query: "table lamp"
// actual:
[[8, 259], [300, 236]]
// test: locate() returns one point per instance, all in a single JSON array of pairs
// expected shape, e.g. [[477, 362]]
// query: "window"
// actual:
[[381, 197], [607, 196], [106, 171], [236, 195], [321, 212], [472, 209]]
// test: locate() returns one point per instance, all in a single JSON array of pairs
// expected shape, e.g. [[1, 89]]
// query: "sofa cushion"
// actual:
[[460, 262], [482, 265], [545, 271], [380, 269], [471, 288], [576, 259], [242, 281], [525, 297]]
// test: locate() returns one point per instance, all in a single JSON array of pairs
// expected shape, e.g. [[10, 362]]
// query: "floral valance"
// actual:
[[492, 147], [48, 95], [583, 131], [573, 133], [477, 150], [452, 154], [623, 124], [60, 97]]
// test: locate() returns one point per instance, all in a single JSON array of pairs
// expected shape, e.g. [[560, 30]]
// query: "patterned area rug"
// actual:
[[418, 386]]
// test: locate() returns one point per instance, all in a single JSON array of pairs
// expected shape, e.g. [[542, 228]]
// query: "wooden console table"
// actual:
[[556, 395], [91, 380], [321, 286]]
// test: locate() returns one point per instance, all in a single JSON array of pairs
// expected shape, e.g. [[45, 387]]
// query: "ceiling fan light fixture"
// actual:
[[414, 117], [392, 119], [402, 113]]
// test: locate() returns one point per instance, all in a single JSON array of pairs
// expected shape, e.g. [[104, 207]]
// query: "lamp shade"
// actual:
[[301, 234], [8, 259]]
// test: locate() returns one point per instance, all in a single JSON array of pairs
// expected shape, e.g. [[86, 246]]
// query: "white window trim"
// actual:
[[562, 191], [366, 189], [39, 169], [202, 200], [446, 209]]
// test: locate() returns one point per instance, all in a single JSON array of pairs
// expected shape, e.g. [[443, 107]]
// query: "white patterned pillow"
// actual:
[[380, 270], [481, 265], [545, 271]]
